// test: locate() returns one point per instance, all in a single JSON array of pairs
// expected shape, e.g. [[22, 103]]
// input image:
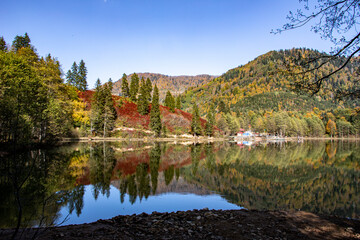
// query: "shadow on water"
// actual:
[[319, 177], [26, 184]]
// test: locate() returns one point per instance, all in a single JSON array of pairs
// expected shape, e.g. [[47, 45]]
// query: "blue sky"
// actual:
[[173, 37]]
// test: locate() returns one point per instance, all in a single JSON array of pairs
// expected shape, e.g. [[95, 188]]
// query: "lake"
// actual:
[[85, 182]]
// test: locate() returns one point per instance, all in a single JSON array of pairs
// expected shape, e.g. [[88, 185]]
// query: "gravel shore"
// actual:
[[204, 224]]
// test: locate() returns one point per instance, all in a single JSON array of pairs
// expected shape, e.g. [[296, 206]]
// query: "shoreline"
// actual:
[[200, 139], [145, 139], [204, 224]]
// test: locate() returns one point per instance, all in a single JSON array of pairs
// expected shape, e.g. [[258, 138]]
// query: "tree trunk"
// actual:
[[105, 125]]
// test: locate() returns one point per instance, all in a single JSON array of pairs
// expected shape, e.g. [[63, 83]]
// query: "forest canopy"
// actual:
[[36, 105]]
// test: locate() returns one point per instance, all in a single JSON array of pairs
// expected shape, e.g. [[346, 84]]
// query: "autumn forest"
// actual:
[[41, 104]]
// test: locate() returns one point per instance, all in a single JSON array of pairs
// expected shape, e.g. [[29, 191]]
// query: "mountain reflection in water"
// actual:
[[88, 181]]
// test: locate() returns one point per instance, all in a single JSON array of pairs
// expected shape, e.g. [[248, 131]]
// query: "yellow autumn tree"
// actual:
[[331, 128], [80, 114]]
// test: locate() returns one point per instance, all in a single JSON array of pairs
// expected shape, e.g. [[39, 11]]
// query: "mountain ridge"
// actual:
[[175, 84], [261, 80]]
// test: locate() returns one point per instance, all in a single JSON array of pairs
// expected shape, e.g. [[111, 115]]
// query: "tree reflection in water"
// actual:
[[320, 177]]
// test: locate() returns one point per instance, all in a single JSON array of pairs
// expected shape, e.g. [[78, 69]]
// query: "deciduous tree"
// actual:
[[331, 128]]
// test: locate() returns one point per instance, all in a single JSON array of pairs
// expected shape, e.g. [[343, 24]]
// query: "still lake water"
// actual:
[[85, 182]]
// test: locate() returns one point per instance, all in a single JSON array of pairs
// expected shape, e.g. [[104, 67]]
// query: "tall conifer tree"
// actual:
[[195, 122], [178, 102], [143, 103], [81, 78], [3, 46], [148, 88], [109, 114], [209, 128], [170, 101], [96, 107], [155, 118], [76, 76], [103, 113], [134, 87], [125, 86], [72, 75], [21, 42]]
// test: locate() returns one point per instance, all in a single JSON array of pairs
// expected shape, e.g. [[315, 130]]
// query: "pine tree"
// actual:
[[178, 102], [148, 88], [3, 46], [170, 101], [81, 78], [141, 88], [195, 122], [143, 103], [72, 75], [69, 78], [110, 84], [103, 113], [21, 42], [209, 128], [109, 112], [97, 84], [125, 86], [96, 108], [155, 118], [76, 76], [134, 87]]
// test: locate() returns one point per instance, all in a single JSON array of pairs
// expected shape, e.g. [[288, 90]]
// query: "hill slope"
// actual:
[[128, 116], [175, 84], [258, 86]]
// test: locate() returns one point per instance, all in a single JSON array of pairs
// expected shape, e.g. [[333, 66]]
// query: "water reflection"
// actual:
[[314, 176], [39, 188]]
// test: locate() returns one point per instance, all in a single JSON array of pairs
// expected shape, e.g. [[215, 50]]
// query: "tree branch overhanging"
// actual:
[[337, 20]]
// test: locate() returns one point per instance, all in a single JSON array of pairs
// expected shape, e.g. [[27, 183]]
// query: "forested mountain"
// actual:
[[174, 84], [261, 96], [262, 85]]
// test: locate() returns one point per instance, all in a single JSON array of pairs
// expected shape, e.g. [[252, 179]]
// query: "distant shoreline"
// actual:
[[200, 139], [325, 138], [146, 139]]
